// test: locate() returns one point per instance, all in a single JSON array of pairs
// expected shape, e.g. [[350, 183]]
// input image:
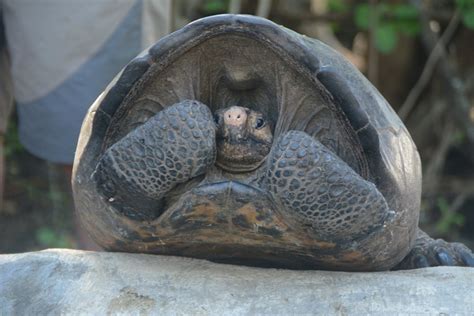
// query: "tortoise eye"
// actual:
[[260, 123]]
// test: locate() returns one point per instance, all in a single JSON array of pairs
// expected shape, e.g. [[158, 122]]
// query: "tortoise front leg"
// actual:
[[429, 252], [172, 147], [322, 191]]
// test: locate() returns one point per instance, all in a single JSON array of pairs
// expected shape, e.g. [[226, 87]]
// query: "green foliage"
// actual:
[[338, 6], [405, 11], [468, 18], [466, 7], [449, 220], [215, 6], [391, 20], [49, 238], [386, 38], [12, 141], [362, 16], [406, 19]]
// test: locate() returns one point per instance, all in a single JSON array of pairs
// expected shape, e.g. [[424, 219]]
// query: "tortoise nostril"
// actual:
[[235, 116]]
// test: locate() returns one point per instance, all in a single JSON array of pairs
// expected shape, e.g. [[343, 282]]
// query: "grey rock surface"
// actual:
[[77, 282]]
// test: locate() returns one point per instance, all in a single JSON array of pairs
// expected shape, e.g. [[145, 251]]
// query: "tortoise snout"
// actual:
[[235, 116]]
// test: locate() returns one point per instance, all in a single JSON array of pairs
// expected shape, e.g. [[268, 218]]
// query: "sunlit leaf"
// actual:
[[46, 236], [406, 19], [213, 6], [385, 38], [468, 18], [338, 6], [12, 141], [361, 16], [405, 11]]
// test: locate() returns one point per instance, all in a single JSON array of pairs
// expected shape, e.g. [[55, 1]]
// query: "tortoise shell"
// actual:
[[301, 84]]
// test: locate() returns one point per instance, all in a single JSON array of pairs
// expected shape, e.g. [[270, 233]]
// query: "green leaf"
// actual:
[[338, 6], [406, 19], [468, 18], [362, 16], [214, 6], [12, 140], [410, 28], [464, 4], [405, 11], [46, 236], [335, 27], [443, 206], [385, 38], [49, 238]]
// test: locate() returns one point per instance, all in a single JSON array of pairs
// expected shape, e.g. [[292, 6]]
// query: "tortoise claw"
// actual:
[[444, 258], [428, 252], [421, 262], [467, 258]]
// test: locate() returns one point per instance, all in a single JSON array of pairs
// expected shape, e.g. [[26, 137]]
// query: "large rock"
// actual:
[[77, 282]]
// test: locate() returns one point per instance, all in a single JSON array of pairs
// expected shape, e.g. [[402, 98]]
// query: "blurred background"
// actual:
[[419, 54]]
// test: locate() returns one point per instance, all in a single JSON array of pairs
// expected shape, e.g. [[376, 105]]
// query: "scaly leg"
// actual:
[[172, 147], [322, 190]]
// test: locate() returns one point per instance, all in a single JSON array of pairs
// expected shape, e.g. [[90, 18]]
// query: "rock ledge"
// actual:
[[79, 282]]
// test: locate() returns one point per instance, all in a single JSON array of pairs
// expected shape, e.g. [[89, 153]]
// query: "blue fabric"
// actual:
[[49, 127]]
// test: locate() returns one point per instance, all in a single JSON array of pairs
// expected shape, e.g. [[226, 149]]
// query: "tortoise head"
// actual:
[[244, 138]]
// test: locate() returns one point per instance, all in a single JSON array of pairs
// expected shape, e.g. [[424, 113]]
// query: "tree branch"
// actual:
[[453, 84], [437, 52]]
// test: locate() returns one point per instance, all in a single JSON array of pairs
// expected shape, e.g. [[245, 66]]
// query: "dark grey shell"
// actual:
[[337, 97]]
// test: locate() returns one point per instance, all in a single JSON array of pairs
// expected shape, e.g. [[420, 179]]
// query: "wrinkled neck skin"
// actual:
[[235, 158], [217, 174]]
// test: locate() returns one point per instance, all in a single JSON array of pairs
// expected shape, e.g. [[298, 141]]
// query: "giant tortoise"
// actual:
[[237, 140]]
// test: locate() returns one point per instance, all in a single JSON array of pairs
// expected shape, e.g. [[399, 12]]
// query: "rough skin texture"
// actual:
[[297, 84], [429, 252], [172, 147], [311, 183], [322, 190]]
